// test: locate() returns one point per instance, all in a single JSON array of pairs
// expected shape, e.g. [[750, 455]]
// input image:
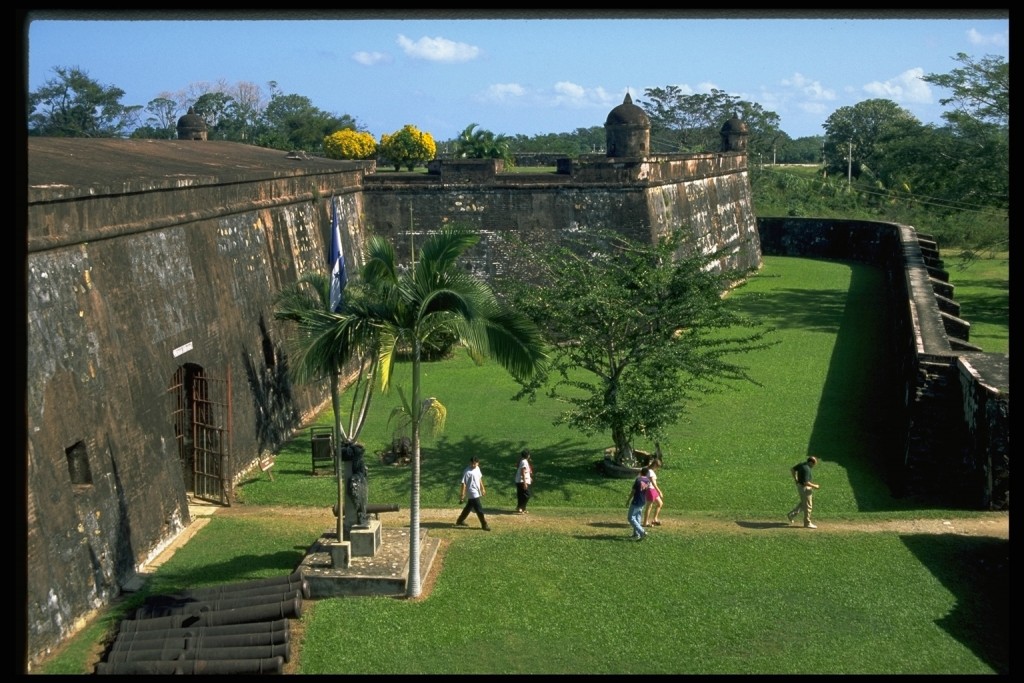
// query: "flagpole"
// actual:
[[336, 264]]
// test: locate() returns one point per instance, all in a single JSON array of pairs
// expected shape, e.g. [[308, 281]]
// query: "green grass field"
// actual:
[[758, 598]]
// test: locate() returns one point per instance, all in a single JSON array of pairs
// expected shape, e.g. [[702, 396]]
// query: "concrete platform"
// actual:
[[385, 573]]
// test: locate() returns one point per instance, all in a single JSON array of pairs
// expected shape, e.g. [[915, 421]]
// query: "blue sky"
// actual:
[[522, 74]]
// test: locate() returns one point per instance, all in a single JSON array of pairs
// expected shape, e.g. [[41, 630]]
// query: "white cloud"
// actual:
[[575, 95], [809, 88], [993, 40], [503, 92], [907, 88], [371, 58], [570, 91], [438, 49]]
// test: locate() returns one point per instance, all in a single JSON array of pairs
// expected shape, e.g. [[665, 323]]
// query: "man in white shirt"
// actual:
[[472, 491]]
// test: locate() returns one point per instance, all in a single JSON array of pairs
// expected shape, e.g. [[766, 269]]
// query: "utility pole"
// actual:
[[849, 163]]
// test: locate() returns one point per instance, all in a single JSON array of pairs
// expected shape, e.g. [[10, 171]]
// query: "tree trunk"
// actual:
[[413, 582], [338, 441]]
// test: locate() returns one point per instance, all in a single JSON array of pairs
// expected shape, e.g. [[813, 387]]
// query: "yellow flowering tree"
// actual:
[[407, 147], [350, 144]]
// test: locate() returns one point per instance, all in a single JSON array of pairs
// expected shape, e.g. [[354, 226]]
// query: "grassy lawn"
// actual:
[[578, 597], [983, 292]]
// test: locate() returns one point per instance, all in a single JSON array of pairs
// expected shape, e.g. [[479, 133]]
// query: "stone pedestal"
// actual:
[[366, 540], [341, 554]]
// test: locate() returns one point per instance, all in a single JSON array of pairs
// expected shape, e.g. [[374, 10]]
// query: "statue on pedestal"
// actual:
[[357, 486]]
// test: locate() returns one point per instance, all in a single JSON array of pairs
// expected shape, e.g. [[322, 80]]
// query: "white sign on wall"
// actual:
[[184, 348]]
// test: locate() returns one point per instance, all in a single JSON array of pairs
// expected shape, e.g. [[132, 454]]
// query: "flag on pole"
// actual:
[[336, 260]]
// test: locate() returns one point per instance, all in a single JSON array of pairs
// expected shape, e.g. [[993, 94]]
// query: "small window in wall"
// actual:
[[78, 464]]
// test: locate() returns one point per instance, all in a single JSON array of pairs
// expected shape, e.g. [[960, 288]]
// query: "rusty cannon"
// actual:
[[373, 509], [274, 665], [278, 584], [185, 638], [171, 653], [286, 609], [197, 606], [274, 626]]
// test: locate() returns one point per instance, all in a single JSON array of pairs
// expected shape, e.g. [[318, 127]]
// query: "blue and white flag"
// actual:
[[336, 260]]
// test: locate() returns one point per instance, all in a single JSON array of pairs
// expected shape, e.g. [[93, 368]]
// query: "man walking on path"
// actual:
[[472, 491], [805, 488]]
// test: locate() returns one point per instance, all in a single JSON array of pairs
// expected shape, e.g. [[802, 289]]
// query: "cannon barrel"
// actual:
[[168, 654], [274, 665], [284, 584], [190, 639], [129, 628], [192, 606], [287, 609], [372, 508]]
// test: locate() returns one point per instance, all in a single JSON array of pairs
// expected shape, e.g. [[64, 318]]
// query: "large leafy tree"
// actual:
[[73, 105], [980, 121], [685, 122], [436, 296], [213, 107], [294, 123], [980, 91], [634, 330], [162, 122], [854, 135]]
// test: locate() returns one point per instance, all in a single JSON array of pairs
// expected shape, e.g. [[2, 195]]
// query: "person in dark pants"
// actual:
[[805, 487], [636, 502], [524, 481], [472, 491]]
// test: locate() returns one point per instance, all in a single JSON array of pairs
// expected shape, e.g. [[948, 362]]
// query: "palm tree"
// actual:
[[436, 295], [474, 143], [324, 344]]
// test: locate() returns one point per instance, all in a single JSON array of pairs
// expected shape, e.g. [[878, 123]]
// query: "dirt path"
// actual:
[[994, 524]]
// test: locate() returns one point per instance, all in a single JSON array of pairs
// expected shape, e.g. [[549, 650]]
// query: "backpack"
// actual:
[[640, 486]]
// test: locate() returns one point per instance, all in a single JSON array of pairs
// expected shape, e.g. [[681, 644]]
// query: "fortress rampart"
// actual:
[[954, 397], [151, 273]]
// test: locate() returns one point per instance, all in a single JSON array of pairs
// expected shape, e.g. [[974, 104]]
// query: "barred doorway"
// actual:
[[201, 407]]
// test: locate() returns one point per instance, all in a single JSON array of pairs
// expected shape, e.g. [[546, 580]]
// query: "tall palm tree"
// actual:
[[436, 295], [324, 344]]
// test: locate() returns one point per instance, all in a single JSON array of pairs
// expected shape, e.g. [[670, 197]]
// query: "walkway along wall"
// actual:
[[955, 397]]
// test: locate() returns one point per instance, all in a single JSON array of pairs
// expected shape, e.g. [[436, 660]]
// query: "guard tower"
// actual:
[[627, 131]]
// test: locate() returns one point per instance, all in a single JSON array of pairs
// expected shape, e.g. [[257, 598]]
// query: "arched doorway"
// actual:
[[201, 410]]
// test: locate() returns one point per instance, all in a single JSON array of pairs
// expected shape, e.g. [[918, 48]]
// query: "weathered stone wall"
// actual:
[[954, 397], [124, 287], [707, 195]]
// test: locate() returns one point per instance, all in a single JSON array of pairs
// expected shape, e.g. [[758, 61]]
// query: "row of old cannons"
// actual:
[[240, 628]]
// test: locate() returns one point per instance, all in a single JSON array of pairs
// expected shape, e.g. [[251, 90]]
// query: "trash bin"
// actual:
[[323, 450]]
